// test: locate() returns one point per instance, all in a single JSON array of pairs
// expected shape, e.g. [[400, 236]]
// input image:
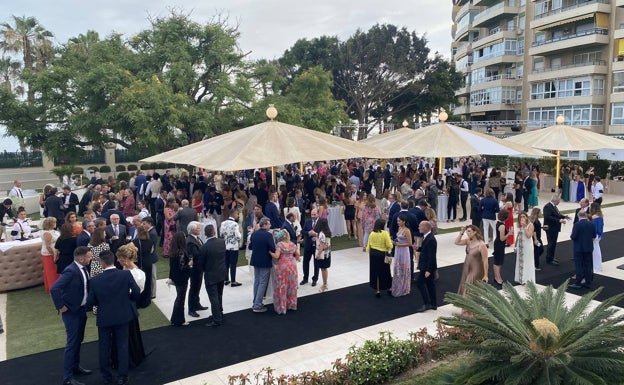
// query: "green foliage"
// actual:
[[123, 176], [375, 362], [94, 168], [132, 167], [120, 167], [536, 339], [378, 361], [60, 171], [105, 168], [147, 166]]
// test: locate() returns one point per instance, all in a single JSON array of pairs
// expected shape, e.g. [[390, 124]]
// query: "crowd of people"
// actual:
[[202, 221]]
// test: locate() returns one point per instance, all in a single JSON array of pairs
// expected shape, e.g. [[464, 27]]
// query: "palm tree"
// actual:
[[9, 74], [536, 340], [27, 37]]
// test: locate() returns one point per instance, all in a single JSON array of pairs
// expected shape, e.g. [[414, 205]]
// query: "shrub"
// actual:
[[120, 167], [105, 168], [146, 166], [132, 167], [123, 176], [94, 168]]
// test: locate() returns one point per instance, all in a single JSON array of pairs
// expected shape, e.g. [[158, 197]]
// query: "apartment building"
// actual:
[[526, 62]]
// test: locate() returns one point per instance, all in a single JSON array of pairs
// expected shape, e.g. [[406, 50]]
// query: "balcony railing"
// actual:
[[573, 6], [594, 31], [575, 65]]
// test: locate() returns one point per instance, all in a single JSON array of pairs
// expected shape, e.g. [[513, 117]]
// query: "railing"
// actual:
[[494, 78], [595, 31], [21, 159], [562, 67], [573, 6], [86, 157], [131, 155]]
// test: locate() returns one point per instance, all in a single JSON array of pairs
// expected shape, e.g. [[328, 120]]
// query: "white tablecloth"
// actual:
[[441, 209], [336, 221], [4, 246]]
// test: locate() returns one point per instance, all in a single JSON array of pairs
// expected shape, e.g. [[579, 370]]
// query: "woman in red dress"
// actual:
[[508, 203], [286, 281]]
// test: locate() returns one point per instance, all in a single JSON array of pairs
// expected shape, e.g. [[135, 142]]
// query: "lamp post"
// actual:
[[560, 120]]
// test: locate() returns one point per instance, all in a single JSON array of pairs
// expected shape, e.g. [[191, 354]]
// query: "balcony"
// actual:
[[494, 35], [569, 14], [569, 71], [486, 2], [494, 81], [461, 110], [497, 12], [595, 36]]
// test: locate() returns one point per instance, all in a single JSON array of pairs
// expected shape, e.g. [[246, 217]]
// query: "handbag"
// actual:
[[321, 251], [388, 259]]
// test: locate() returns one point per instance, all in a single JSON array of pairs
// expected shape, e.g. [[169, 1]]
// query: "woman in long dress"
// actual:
[[509, 222], [286, 281], [476, 263], [598, 221], [48, 253], [402, 278], [370, 213], [145, 247], [170, 226], [525, 263], [501, 233], [580, 188], [379, 244], [534, 194], [565, 189], [127, 257], [179, 272], [359, 206], [349, 212]]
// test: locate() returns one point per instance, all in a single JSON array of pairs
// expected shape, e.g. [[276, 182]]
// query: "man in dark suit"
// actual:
[[309, 232], [69, 294], [116, 233], [212, 258], [427, 264], [159, 212], [289, 226], [552, 225], [148, 224], [393, 208], [70, 200], [115, 293], [193, 243], [475, 208], [213, 202], [184, 216], [583, 234], [53, 207], [272, 211], [88, 226], [583, 206], [262, 245], [527, 184]]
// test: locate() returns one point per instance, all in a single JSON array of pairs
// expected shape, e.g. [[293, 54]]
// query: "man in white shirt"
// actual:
[[17, 195], [597, 190], [21, 229], [231, 233]]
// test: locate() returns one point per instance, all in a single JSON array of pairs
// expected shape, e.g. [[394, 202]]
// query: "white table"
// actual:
[[336, 221], [441, 208]]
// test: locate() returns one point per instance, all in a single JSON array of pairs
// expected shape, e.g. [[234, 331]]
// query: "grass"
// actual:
[[34, 326]]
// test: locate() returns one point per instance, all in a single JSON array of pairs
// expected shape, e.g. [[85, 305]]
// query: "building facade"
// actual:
[[526, 62]]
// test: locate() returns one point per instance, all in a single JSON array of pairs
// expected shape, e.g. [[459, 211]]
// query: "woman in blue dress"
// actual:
[[580, 188], [534, 194]]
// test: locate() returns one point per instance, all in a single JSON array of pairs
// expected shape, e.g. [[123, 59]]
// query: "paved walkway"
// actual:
[[349, 267]]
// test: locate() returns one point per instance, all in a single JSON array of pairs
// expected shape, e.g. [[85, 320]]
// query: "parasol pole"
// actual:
[[442, 118], [560, 120], [271, 113]]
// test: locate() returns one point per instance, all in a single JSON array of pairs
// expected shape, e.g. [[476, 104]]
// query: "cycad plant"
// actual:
[[537, 339]]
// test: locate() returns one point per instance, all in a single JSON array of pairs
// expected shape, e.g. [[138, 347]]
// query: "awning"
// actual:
[[476, 45], [565, 21]]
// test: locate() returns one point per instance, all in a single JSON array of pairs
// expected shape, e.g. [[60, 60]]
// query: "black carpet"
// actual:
[[179, 352]]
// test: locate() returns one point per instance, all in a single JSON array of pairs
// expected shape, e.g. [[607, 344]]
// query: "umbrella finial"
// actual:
[[271, 112], [443, 116], [405, 123], [560, 119]]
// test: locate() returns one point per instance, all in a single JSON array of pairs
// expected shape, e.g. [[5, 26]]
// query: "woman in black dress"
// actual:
[[179, 272], [65, 244], [145, 247], [501, 232]]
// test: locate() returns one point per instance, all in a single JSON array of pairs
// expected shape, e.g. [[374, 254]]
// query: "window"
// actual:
[[574, 115], [618, 82], [617, 113]]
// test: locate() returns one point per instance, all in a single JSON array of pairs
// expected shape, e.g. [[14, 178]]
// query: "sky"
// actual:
[[267, 27]]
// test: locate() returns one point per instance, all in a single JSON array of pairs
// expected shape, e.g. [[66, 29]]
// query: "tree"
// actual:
[[307, 102], [384, 73], [536, 340]]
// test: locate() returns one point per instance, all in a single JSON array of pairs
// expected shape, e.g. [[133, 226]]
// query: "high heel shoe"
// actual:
[[378, 295], [323, 289]]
